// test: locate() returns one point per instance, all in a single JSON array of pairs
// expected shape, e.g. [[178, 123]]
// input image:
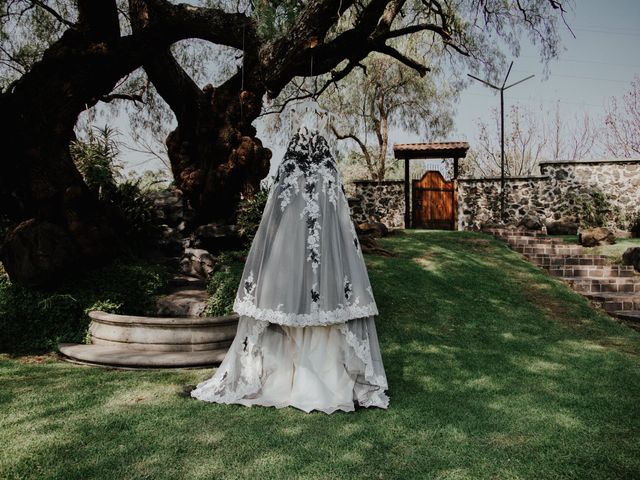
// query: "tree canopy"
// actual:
[[59, 58]]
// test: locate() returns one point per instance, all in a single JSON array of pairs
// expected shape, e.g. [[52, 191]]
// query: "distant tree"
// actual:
[[622, 120], [524, 144], [383, 95], [531, 136], [570, 139]]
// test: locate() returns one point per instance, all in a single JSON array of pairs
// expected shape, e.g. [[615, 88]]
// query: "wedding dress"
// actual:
[[306, 335]]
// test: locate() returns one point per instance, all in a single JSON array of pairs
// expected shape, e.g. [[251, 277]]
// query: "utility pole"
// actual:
[[501, 89]]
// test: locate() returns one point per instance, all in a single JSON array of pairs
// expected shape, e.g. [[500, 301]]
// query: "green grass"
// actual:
[[496, 371], [614, 252]]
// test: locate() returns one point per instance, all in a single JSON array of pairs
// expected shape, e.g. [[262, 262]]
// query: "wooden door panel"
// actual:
[[434, 202]]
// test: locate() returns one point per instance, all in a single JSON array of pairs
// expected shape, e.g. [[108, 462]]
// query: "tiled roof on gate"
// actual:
[[430, 150]]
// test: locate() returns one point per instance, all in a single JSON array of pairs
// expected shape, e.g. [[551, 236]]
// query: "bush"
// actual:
[[634, 224], [37, 319], [222, 284], [136, 205], [592, 207], [96, 159], [250, 214]]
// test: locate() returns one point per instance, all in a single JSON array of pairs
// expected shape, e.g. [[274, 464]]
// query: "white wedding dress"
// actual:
[[306, 336]]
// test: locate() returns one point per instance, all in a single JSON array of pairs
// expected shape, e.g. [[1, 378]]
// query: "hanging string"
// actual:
[[242, 77]]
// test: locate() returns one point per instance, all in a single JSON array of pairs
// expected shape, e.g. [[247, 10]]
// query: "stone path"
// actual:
[[614, 288], [177, 337]]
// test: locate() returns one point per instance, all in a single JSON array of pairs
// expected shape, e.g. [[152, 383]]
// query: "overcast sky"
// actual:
[[598, 64]]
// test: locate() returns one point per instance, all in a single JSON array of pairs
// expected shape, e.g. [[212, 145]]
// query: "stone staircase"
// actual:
[[178, 337], [614, 288]]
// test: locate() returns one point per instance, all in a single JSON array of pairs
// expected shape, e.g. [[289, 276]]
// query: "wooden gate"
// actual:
[[434, 202]]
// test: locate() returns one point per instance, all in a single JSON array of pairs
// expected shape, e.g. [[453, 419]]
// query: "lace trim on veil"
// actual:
[[246, 307], [229, 387], [216, 389], [368, 398]]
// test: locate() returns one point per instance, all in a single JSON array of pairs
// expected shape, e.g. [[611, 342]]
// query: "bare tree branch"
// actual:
[[121, 96], [392, 52], [54, 13]]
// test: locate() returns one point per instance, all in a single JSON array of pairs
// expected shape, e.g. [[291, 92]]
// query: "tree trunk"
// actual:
[[59, 222], [216, 157], [214, 153]]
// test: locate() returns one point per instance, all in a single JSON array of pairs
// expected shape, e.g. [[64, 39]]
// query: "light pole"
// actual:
[[501, 90]]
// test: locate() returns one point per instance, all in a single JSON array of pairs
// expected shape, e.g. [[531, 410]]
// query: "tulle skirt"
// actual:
[[324, 368]]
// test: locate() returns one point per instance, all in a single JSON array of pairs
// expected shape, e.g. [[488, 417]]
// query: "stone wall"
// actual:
[[552, 194], [378, 202], [479, 200]]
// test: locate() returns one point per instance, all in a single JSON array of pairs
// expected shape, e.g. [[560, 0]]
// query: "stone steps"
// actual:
[[519, 240], [183, 301], [615, 288], [595, 285], [505, 232], [613, 302], [592, 271], [551, 249], [180, 280], [630, 317], [546, 260]]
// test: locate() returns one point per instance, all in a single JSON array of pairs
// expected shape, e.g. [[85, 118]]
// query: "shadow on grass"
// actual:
[[495, 371]]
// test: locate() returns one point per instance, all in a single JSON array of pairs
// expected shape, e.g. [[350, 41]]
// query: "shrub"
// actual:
[[634, 224], [592, 207], [37, 319], [137, 207], [250, 214], [96, 159], [222, 284]]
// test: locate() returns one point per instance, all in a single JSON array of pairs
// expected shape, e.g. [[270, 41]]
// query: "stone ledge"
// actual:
[[177, 322], [590, 162], [120, 357]]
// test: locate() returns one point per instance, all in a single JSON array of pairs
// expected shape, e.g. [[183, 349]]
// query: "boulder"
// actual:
[[563, 226], [23, 253], [631, 256], [197, 262], [169, 206], [369, 244], [170, 242], [593, 237], [216, 237], [530, 222], [375, 229]]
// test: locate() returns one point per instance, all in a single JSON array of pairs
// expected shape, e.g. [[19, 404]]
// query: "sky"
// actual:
[[595, 66]]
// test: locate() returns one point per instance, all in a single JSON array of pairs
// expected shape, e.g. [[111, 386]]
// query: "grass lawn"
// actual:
[[496, 371], [614, 252]]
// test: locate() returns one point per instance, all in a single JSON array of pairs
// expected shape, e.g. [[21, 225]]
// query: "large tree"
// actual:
[[214, 153]]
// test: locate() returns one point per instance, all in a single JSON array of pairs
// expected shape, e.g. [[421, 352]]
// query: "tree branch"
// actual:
[[392, 52], [54, 13], [121, 96]]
